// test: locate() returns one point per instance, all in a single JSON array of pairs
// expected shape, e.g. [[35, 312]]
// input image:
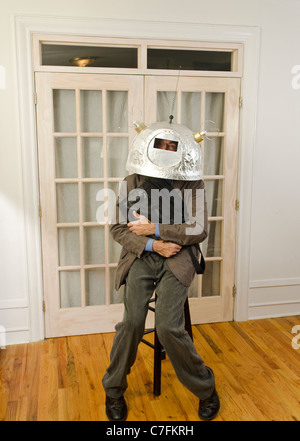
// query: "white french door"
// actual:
[[197, 103], [85, 128]]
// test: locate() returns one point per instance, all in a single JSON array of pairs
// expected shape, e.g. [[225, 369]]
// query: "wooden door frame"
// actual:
[[25, 26]]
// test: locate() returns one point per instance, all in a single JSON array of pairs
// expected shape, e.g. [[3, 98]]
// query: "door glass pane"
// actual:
[[113, 194], [95, 287], [114, 250], [214, 108], [212, 246], [117, 157], [94, 251], [115, 296], [92, 157], [193, 289], [70, 291], [211, 279], [114, 188], [68, 246], [64, 110], [164, 106], [91, 110], [214, 197], [191, 110], [187, 59], [213, 156], [65, 157], [67, 202], [117, 111], [89, 56], [90, 203]]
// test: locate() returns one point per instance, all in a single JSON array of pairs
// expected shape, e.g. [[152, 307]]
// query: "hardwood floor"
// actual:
[[257, 376]]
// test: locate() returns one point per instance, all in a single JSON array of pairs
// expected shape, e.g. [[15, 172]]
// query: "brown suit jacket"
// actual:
[[133, 245]]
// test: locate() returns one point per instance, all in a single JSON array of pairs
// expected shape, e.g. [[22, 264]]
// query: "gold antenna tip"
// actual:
[[199, 136], [139, 126]]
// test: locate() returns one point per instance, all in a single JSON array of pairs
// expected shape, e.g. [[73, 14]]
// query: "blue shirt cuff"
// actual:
[[149, 245], [157, 230]]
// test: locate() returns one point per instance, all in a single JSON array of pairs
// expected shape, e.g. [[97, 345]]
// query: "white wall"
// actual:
[[274, 286]]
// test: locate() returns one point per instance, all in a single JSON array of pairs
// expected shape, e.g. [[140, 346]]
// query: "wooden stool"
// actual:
[[159, 352]]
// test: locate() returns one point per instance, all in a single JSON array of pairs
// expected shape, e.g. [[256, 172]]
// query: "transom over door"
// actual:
[[85, 127], [197, 101]]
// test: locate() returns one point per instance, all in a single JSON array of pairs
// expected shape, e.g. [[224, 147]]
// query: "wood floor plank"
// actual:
[[256, 368]]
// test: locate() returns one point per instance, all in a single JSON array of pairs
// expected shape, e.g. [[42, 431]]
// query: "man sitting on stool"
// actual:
[[157, 256]]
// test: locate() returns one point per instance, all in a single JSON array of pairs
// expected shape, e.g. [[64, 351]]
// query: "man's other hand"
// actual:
[[142, 226], [165, 249]]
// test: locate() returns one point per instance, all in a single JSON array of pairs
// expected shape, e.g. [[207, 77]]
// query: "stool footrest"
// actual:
[[148, 331], [148, 343]]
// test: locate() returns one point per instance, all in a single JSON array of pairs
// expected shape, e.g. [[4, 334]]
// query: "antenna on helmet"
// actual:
[[171, 117]]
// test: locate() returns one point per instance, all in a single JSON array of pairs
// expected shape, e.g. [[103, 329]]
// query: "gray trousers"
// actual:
[[147, 274]]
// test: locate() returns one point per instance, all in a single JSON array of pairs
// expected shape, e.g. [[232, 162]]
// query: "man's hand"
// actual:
[[142, 226], [165, 249]]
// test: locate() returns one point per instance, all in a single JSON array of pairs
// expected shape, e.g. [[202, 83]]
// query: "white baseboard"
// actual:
[[280, 309], [15, 336], [14, 322], [274, 298]]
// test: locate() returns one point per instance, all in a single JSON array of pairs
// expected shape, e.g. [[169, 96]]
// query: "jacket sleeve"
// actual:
[[194, 230], [130, 241], [121, 233]]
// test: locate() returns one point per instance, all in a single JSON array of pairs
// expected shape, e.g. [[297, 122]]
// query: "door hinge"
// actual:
[[40, 211], [237, 205], [240, 101], [233, 291], [35, 98], [44, 306]]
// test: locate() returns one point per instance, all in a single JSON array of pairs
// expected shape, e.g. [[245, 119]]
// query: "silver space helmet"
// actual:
[[166, 150]]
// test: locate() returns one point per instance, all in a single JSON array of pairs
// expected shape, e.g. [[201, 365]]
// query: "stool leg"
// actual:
[[157, 365], [187, 317]]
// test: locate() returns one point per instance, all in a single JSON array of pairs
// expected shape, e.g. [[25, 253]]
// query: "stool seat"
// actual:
[[159, 352]]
